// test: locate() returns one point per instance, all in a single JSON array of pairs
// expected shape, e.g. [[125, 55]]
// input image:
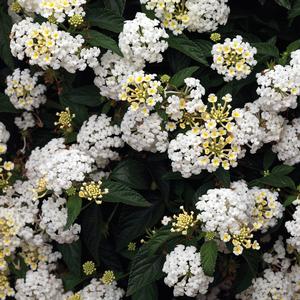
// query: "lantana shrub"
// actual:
[[149, 149]]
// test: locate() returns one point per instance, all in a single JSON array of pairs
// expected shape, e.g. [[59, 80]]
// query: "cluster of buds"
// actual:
[[93, 191]]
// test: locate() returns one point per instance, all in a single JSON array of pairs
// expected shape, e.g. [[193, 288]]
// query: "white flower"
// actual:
[[142, 39], [99, 139], [254, 127], [293, 229], [288, 146], [25, 121], [112, 72], [195, 15], [4, 136], [46, 46], [54, 217], [185, 273], [58, 166], [144, 133], [58, 9], [233, 59], [39, 285], [24, 91], [278, 88]]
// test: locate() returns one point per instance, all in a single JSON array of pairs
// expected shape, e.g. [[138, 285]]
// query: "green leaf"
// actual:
[[186, 46], [120, 193], [205, 46], [253, 259], [209, 254], [92, 229], [266, 49], [282, 170], [177, 79], [144, 270], [70, 281], [115, 5], [133, 173], [105, 19], [6, 105], [133, 223], [71, 254], [5, 29], [275, 181], [269, 158], [86, 95], [223, 176], [293, 46], [74, 204], [148, 292], [295, 10], [98, 39], [289, 200], [284, 3]]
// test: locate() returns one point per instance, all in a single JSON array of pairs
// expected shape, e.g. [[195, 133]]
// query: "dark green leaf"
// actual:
[[289, 200], [223, 176], [178, 79], [282, 170], [133, 224], [115, 5], [5, 28], [253, 259], [269, 159], [205, 46], [85, 95], [98, 39], [202, 190], [266, 49], [133, 173], [120, 193], [275, 181], [71, 281], [148, 292], [209, 254], [295, 10], [74, 204], [188, 47], [284, 3], [144, 270], [6, 105], [105, 19], [71, 254]]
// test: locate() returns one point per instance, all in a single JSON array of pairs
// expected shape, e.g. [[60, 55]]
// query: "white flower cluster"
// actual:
[[47, 46], [142, 39], [112, 71], [25, 121], [54, 220], [295, 59], [24, 91], [96, 290], [39, 284], [278, 88], [195, 15], [288, 147], [180, 108], [58, 166], [255, 127], [99, 138], [144, 133], [234, 58], [57, 9], [293, 229], [235, 213], [185, 273], [211, 143], [4, 136]]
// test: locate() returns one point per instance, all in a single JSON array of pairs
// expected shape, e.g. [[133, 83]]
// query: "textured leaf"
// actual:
[[85, 95], [133, 173], [209, 254], [120, 193], [282, 170], [144, 270], [275, 181], [71, 254], [295, 10], [284, 3], [188, 47], [98, 39], [5, 28], [74, 204], [115, 5], [178, 79], [289, 200], [105, 19], [266, 49], [148, 292]]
